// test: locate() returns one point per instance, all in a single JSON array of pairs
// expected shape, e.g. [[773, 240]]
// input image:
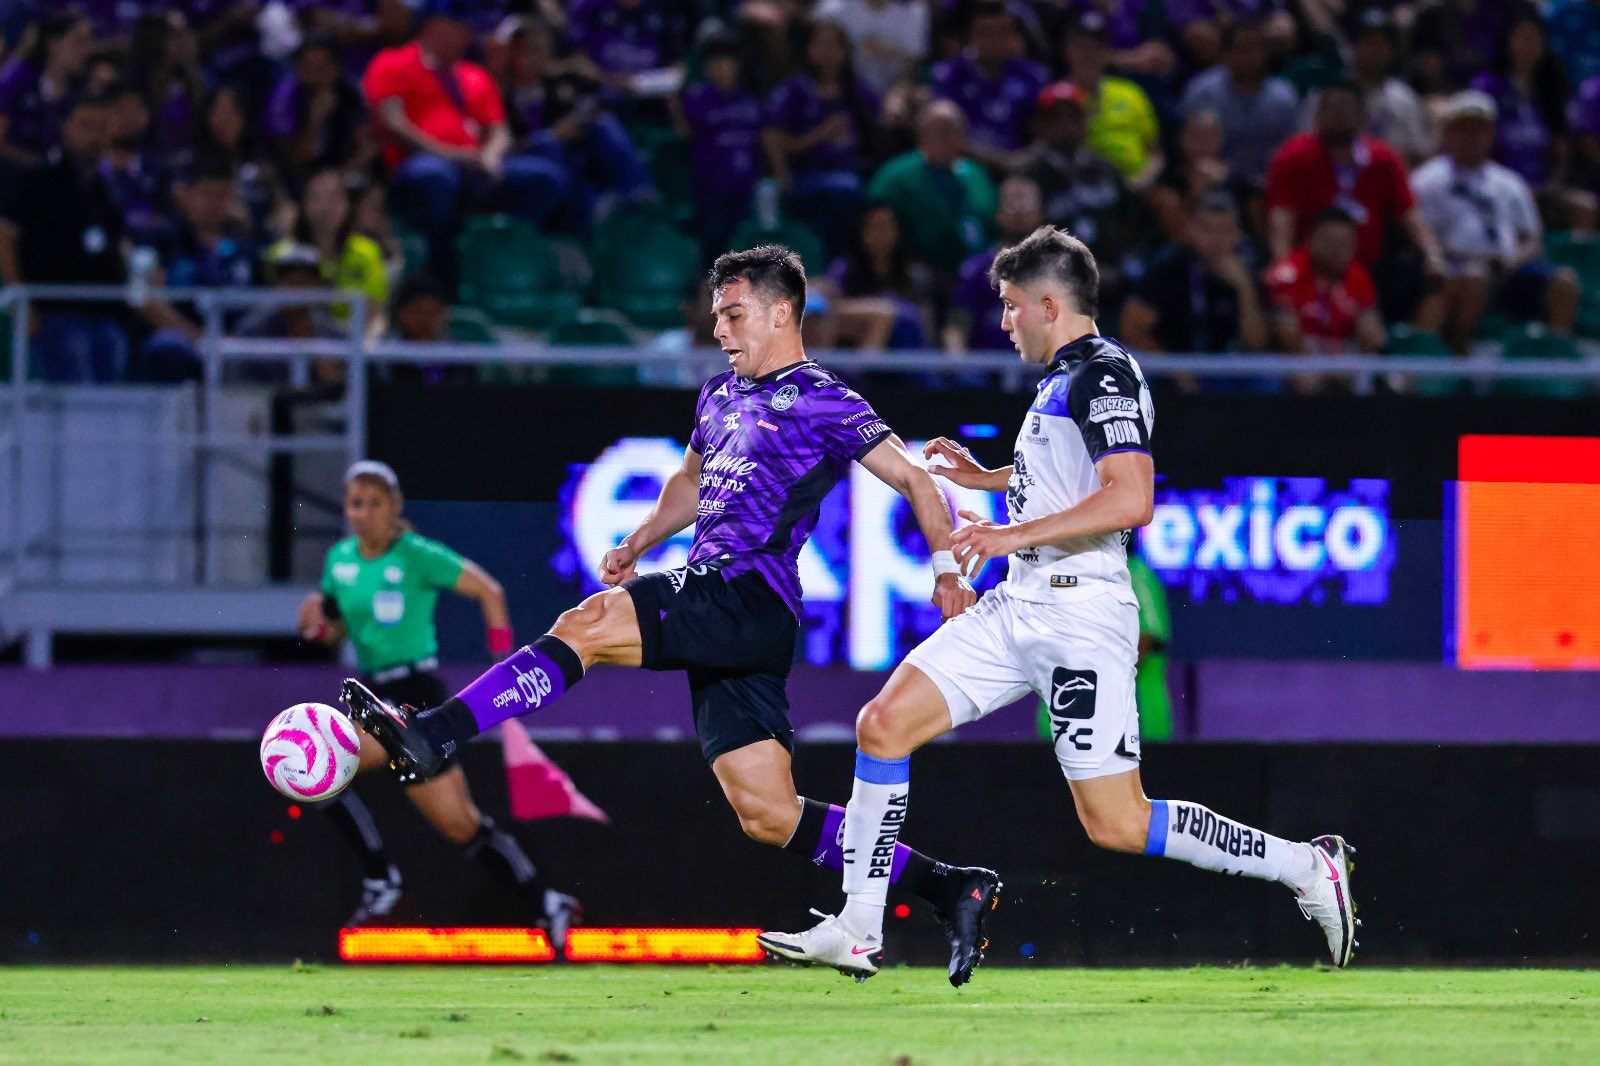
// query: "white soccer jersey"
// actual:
[[1093, 402]]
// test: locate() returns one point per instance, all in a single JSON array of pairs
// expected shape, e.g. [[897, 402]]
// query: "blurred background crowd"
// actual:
[[1323, 176]]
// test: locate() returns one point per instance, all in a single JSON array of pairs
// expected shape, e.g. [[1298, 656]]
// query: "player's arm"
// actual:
[[890, 464], [475, 584], [1124, 500], [675, 508], [319, 620], [962, 469]]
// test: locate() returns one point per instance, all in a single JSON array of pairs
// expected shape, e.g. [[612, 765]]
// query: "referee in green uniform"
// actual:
[[379, 590]]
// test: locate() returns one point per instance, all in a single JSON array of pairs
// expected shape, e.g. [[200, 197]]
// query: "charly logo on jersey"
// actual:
[[1072, 698], [730, 421], [346, 573], [785, 397]]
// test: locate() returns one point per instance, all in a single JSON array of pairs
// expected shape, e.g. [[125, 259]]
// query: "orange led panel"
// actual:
[[444, 945], [588, 944], [1526, 548]]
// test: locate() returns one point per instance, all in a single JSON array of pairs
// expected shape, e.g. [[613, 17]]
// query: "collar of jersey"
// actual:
[[1070, 355], [767, 379]]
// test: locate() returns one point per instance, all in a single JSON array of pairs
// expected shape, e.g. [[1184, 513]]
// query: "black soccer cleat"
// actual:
[[966, 920], [412, 756]]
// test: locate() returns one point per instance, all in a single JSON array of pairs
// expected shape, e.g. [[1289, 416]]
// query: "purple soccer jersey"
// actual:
[[770, 449], [998, 109]]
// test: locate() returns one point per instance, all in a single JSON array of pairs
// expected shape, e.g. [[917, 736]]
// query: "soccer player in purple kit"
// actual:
[[773, 435]]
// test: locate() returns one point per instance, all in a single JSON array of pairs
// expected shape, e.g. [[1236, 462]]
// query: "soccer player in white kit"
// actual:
[[1064, 624]]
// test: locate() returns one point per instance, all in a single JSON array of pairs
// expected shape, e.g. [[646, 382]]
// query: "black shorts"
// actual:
[[736, 641], [420, 689]]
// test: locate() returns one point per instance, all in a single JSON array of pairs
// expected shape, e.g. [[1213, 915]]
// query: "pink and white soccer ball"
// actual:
[[310, 752]]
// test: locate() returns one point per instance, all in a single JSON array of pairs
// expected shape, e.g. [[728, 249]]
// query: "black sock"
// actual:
[[816, 836], [501, 853], [354, 822]]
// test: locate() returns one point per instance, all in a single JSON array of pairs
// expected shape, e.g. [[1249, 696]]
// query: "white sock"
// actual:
[[1190, 833], [872, 823]]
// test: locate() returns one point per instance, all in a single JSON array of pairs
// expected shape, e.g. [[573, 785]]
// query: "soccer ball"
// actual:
[[310, 752]]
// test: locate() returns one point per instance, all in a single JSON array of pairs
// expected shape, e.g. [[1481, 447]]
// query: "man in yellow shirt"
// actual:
[[1122, 122]]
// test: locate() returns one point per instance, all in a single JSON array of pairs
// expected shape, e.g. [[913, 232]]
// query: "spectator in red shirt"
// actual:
[[1324, 298], [1336, 164], [446, 137]]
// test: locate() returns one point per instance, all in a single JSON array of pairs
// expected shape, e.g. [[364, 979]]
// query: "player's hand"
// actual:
[[952, 594], [312, 622], [618, 565], [962, 470], [979, 542]]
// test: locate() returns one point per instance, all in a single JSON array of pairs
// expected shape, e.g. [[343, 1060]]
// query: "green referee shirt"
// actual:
[[387, 603]]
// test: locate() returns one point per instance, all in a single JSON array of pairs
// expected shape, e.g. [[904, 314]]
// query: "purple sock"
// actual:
[[820, 832], [533, 678]]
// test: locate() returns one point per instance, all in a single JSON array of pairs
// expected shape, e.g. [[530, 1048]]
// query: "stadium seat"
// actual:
[[413, 250], [1424, 344], [470, 326], [797, 235], [593, 328], [669, 165], [512, 274], [648, 274], [1530, 340], [1582, 253]]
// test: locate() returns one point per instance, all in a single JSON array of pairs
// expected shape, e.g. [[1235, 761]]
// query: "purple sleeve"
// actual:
[[696, 438], [1583, 114], [14, 77], [280, 116], [845, 424]]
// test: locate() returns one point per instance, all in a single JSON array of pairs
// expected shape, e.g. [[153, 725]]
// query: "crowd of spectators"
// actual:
[[1253, 175]]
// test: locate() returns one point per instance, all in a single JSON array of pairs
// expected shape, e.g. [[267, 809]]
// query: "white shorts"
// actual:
[[1079, 655]]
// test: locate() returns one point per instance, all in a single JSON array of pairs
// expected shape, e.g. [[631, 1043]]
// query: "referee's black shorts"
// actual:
[[420, 689], [735, 638]]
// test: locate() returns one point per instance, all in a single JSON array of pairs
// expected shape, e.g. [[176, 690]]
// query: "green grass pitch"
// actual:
[[770, 1015]]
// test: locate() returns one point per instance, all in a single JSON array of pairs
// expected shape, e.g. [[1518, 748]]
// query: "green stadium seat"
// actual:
[[1405, 341], [413, 250], [674, 179], [512, 274], [649, 275], [797, 235], [593, 328], [470, 326], [1581, 252], [1531, 340]]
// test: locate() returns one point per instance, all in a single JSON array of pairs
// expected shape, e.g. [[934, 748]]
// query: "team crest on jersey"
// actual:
[[346, 573], [393, 574], [785, 397], [730, 421]]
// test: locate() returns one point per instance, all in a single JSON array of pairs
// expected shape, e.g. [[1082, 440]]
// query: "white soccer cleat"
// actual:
[[828, 943], [1327, 900]]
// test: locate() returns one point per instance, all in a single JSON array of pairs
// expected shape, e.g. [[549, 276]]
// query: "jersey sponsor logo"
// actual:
[[393, 574], [679, 576], [388, 606], [764, 424], [1121, 433], [532, 688], [882, 862], [1063, 581], [728, 463], [730, 421], [872, 429], [785, 397], [1103, 408], [1072, 698], [1036, 434], [346, 573], [858, 416], [712, 507]]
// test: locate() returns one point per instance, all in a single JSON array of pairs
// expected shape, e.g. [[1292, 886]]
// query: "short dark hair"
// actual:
[[1053, 253], [420, 287], [1336, 214], [1344, 85], [773, 270], [1248, 24]]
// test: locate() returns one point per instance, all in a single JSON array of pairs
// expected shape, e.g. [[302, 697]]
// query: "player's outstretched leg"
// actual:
[[419, 741], [1116, 815]]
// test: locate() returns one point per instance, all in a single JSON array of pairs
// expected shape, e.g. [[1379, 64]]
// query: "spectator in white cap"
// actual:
[[1488, 227]]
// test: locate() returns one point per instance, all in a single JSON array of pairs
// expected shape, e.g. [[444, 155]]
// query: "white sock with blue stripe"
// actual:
[[872, 823], [1190, 833]]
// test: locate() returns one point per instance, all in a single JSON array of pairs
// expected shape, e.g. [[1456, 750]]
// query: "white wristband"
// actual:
[[945, 563]]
